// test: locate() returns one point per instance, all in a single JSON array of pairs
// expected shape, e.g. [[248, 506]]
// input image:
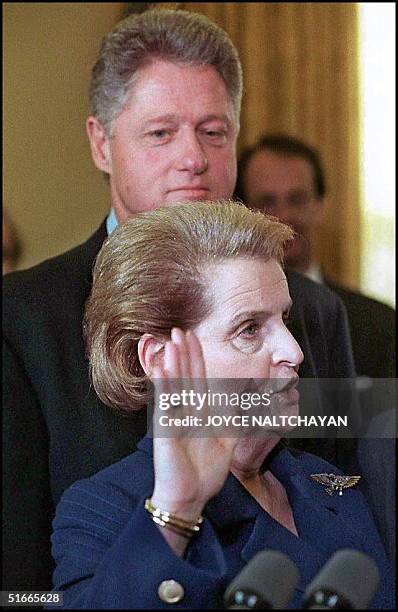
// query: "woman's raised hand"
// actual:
[[190, 466]]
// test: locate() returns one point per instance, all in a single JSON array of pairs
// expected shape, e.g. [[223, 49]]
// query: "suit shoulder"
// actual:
[[308, 290], [55, 273], [118, 483], [313, 464], [132, 475], [105, 500], [90, 507], [358, 300]]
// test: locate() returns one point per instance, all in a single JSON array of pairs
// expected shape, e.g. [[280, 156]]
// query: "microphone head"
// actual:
[[349, 576], [267, 582]]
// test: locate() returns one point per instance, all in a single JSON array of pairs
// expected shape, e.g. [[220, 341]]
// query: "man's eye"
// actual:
[[268, 205], [159, 134], [216, 135], [299, 199]]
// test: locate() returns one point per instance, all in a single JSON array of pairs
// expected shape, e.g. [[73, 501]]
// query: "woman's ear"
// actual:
[[150, 353]]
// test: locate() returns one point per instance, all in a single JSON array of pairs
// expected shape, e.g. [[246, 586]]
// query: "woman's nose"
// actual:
[[288, 351]]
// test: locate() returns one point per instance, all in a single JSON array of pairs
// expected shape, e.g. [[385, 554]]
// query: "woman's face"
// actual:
[[245, 336]]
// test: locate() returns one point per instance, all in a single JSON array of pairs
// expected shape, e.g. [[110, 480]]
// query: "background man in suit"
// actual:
[[283, 176], [164, 117]]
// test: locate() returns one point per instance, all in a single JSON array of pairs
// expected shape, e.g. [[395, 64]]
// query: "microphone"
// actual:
[[266, 583], [348, 581]]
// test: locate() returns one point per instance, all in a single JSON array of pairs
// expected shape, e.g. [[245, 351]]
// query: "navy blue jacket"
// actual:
[[110, 555], [57, 431]]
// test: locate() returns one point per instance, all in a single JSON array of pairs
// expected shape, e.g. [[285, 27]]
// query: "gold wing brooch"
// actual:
[[335, 483]]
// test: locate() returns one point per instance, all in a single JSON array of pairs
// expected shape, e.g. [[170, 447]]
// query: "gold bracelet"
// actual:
[[174, 523], [180, 531]]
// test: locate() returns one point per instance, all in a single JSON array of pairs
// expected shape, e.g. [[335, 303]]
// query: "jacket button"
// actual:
[[170, 591]]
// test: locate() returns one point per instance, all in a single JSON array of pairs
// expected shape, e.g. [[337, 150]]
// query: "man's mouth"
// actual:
[[190, 191]]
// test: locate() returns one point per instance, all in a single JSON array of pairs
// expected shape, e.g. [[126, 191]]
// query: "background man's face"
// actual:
[[174, 140], [284, 186]]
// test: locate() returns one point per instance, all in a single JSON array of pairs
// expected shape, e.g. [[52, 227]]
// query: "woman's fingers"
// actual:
[[184, 356], [178, 338], [199, 381], [185, 369], [161, 390], [198, 368], [172, 360]]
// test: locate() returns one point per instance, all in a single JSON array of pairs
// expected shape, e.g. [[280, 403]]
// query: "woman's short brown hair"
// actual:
[[149, 277]]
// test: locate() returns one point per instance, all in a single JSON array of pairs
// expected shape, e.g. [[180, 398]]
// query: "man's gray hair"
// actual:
[[173, 35]]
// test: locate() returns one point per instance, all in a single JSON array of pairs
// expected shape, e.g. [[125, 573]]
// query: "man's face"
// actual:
[[284, 186], [173, 141]]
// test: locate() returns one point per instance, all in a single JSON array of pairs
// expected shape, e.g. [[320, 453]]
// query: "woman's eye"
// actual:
[[287, 319], [249, 331]]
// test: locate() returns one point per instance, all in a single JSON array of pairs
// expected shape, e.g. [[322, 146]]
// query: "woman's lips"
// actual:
[[292, 395]]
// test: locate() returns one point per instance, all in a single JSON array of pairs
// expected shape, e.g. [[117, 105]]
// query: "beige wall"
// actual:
[[52, 190]]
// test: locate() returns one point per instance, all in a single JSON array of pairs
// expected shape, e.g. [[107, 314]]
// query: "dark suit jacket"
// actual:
[[110, 554], [55, 429], [372, 326]]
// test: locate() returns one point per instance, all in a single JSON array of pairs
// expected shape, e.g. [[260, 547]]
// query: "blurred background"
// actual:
[[323, 72]]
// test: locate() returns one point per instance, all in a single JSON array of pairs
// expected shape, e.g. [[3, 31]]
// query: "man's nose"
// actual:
[[193, 157], [282, 211]]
